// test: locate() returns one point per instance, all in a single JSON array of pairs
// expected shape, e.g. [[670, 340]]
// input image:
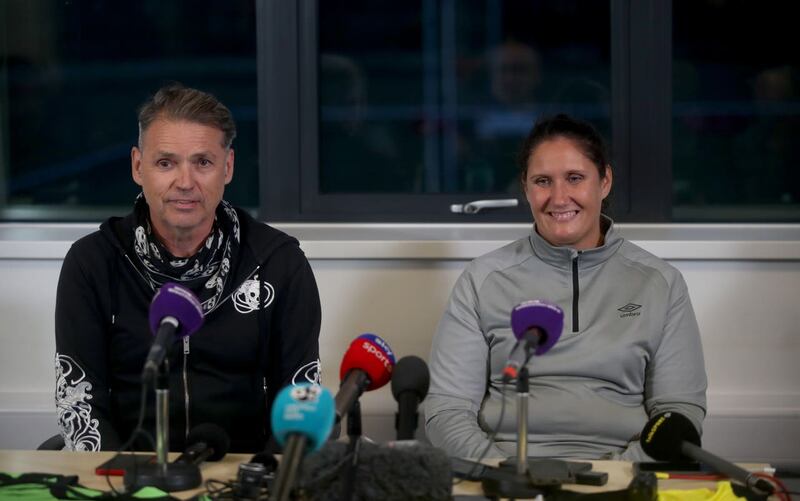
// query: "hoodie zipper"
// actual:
[[186, 383], [575, 292], [184, 371]]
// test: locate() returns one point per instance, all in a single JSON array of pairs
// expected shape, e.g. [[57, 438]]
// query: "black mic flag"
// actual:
[[670, 436]]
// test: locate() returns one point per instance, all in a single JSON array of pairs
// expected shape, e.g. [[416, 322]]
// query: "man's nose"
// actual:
[[184, 179]]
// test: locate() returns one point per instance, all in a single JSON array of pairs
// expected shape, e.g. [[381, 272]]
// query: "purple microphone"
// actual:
[[537, 325], [178, 302], [540, 318], [174, 312]]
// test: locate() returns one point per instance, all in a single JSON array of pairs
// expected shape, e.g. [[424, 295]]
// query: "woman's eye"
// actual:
[[541, 181], [575, 178]]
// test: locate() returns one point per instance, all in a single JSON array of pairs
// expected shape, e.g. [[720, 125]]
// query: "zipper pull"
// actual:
[[186, 345]]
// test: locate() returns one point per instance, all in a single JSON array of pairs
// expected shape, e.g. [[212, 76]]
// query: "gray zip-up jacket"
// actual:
[[630, 349]]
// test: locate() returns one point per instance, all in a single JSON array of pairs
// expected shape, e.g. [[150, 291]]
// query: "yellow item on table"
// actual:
[[724, 492]]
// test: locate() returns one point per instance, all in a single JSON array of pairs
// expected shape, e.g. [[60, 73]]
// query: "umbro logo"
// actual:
[[629, 310]]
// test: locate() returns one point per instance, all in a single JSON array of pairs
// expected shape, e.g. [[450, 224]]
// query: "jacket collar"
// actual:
[[259, 242], [563, 256]]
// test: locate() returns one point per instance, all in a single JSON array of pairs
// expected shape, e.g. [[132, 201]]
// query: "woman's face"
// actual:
[[565, 192]]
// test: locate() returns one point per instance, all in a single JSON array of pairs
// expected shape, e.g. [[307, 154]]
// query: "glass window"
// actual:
[[736, 111], [414, 105], [435, 97], [72, 75]]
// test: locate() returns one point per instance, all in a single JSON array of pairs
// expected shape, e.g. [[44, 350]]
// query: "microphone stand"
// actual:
[[353, 447], [162, 418], [168, 477], [516, 485], [527, 477], [523, 392]]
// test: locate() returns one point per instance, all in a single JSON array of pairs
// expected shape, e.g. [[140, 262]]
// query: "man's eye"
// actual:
[[575, 178], [164, 164], [204, 162]]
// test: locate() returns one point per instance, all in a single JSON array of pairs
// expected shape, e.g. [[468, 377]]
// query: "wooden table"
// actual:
[[83, 464]]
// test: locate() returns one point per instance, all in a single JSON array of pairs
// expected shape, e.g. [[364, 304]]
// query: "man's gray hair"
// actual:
[[176, 102]]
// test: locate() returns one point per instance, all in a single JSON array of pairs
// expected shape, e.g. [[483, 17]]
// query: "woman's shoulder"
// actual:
[[502, 258], [636, 256]]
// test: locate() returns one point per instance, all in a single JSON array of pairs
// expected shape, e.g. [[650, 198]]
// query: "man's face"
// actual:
[[565, 192], [182, 168]]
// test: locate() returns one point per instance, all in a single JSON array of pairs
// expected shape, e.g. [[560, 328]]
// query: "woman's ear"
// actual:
[[607, 181]]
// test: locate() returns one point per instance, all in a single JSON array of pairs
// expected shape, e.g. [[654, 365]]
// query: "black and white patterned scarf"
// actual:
[[206, 272]]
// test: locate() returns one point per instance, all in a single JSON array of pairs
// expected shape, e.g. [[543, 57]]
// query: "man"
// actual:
[[259, 297]]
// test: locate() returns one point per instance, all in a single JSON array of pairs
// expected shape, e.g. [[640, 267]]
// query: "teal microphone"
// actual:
[[302, 420]]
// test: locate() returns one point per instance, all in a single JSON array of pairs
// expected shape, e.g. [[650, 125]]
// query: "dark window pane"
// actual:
[[436, 97], [736, 111], [72, 75]]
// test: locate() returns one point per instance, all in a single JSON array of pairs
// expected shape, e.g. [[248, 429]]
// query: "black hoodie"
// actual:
[[251, 345]]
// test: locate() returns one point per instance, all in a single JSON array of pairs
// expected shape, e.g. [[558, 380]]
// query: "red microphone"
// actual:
[[367, 365]]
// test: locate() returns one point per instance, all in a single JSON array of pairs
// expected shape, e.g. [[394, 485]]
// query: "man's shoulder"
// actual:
[[266, 241], [97, 244], [91, 256]]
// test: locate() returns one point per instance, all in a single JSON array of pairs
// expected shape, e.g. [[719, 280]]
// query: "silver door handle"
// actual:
[[478, 205]]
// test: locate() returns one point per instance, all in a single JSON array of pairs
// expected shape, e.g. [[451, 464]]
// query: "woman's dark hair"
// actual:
[[583, 134]]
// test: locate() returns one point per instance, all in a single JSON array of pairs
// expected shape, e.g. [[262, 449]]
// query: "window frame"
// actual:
[[287, 56]]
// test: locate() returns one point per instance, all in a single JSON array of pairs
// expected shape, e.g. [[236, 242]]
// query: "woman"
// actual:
[[630, 346]]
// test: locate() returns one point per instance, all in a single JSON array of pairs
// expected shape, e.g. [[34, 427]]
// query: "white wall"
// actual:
[[395, 280]]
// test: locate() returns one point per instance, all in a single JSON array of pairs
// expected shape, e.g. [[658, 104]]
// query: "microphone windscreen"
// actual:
[[173, 300], [213, 436], [540, 314], [416, 471], [411, 374], [372, 355], [662, 436], [266, 459], [305, 409]]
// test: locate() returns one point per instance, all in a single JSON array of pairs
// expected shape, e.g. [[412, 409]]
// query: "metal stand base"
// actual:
[[179, 477], [543, 472], [512, 487]]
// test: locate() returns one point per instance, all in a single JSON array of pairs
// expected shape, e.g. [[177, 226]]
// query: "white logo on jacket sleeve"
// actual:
[[309, 373], [73, 411], [247, 299]]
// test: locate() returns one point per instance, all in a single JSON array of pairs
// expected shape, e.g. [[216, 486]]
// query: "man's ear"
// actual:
[[136, 165], [229, 166]]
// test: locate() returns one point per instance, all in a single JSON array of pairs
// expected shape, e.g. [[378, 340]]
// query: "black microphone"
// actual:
[[410, 382], [670, 436], [205, 442]]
